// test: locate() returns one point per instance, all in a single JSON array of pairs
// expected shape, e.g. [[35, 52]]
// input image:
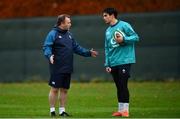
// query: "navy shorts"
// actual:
[[60, 81]]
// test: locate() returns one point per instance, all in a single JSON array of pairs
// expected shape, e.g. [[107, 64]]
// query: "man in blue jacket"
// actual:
[[59, 47], [120, 41]]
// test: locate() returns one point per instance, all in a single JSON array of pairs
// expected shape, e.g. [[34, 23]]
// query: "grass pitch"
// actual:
[[91, 100]]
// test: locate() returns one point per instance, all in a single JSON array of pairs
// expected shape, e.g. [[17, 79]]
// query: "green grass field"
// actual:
[[93, 100]]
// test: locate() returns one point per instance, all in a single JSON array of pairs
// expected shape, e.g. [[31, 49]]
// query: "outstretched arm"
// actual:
[[83, 51]]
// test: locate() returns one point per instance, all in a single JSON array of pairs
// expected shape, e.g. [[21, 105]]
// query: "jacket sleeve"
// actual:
[[106, 64], [48, 43], [130, 34], [80, 50]]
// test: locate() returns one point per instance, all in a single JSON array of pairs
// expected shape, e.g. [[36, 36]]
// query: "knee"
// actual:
[[62, 90], [54, 90]]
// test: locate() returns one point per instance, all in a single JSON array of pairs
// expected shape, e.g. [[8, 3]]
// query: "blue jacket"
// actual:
[[124, 53], [62, 45]]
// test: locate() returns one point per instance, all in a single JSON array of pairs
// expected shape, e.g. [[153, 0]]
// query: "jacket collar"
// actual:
[[59, 30]]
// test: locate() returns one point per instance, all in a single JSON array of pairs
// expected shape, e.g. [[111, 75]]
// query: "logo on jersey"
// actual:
[[60, 36], [53, 83], [123, 71], [114, 43]]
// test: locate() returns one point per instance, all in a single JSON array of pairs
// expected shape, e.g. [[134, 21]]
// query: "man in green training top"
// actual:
[[120, 41]]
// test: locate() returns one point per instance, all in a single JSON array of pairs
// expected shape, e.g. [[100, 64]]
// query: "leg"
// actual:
[[120, 76], [125, 91], [53, 96], [124, 74], [65, 85], [117, 81], [52, 100], [63, 97], [122, 90]]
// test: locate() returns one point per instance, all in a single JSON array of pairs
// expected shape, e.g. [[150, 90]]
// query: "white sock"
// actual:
[[120, 107], [61, 110], [52, 109], [126, 107]]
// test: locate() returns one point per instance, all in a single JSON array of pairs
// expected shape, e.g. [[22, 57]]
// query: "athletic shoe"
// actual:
[[64, 114], [123, 114], [117, 114], [53, 114]]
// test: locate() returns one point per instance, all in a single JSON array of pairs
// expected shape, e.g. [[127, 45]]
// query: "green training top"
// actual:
[[124, 53]]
